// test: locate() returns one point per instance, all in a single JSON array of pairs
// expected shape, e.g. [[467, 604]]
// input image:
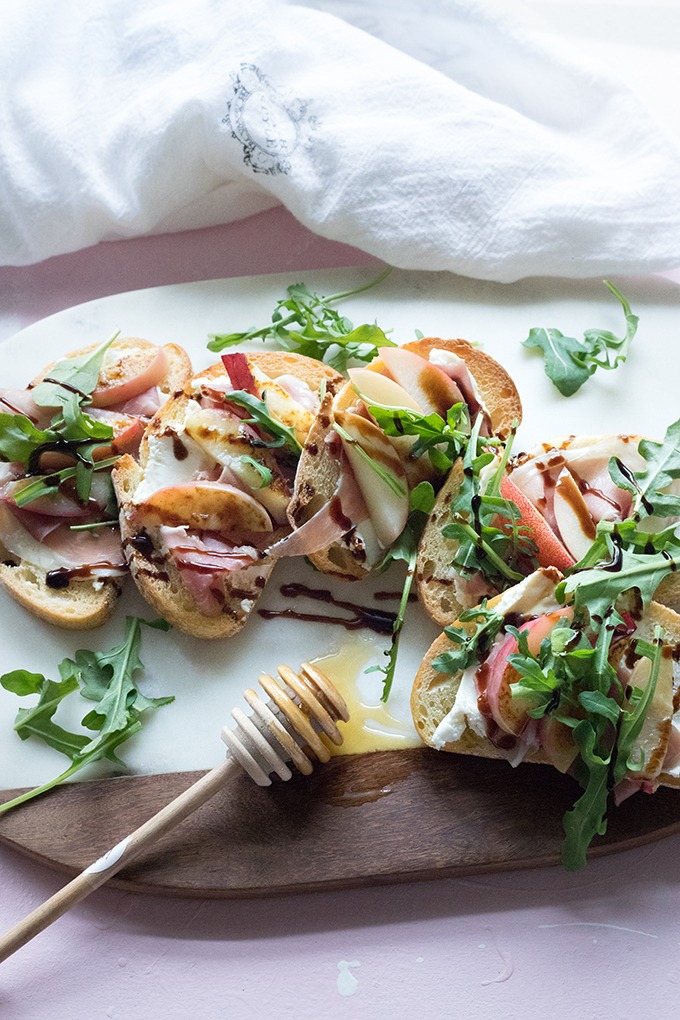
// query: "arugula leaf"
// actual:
[[443, 440], [104, 677], [661, 470], [71, 431], [72, 377], [569, 362], [256, 475], [639, 701], [571, 680], [284, 435], [596, 589], [314, 328], [586, 819], [44, 485], [19, 437], [421, 501], [473, 642], [487, 528]]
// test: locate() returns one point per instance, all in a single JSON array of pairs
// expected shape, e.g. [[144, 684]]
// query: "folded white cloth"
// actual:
[[459, 141]]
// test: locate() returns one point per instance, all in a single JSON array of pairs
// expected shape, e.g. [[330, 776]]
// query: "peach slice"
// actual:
[[217, 432], [383, 482], [509, 710], [126, 372], [374, 388], [430, 387], [573, 517], [207, 506], [557, 743], [551, 552]]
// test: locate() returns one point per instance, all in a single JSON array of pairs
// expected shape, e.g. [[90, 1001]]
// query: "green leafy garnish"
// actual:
[[569, 362], [443, 440], [572, 680], [661, 470], [72, 377], [421, 501], [71, 431], [260, 416], [471, 642], [306, 323], [596, 589], [105, 678], [487, 528], [256, 475]]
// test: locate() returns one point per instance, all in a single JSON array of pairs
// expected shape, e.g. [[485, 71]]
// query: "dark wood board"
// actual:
[[360, 820]]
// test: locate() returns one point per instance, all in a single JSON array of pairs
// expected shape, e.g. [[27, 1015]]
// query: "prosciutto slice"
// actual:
[[330, 524], [204, 561], [97, 552]]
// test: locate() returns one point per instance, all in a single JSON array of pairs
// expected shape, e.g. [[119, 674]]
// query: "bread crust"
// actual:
[[86, 602], [318, 473], [434, 694]]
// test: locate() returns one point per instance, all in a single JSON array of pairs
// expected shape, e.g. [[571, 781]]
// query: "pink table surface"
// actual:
[[525, 944]]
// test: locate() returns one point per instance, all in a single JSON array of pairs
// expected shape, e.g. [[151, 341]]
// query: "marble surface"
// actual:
[[526, 944]]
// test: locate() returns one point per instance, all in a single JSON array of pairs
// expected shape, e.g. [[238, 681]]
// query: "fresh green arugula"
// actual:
[[470, 643], [405, 548], [72, 431], [572, 681], [443, 440], [662, 468], [306, 323], [256, 475], [570, 362], [486, 527], [71, 377], [108, 679], [596, 589], [282, 435]]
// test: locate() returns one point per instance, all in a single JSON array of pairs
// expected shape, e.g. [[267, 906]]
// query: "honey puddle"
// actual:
[[373, 725]]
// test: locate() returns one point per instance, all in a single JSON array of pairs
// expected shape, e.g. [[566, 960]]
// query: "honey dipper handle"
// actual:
[[118, 857]]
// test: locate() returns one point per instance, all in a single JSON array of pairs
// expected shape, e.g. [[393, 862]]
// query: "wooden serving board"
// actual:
[[360, 820]]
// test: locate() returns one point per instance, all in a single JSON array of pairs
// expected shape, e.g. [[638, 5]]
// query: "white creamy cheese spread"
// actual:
[[163, 470]]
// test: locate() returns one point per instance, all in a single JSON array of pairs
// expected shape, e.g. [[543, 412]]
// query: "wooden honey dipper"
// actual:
[[287, 728]]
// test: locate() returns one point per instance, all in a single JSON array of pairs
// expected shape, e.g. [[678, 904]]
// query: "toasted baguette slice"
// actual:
[[86, 602], [83, 605], [126, 356], [154, 572], [437, 578], [434, 693], [318, 474]]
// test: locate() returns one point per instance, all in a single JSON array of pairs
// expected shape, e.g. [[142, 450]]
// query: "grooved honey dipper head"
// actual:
[[301, 710]]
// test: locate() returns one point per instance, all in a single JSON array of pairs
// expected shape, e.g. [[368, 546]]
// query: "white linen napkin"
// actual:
[[481, 150]]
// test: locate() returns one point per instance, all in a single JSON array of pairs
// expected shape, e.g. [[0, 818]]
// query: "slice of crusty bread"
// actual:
[[158, 579], [318, 472], [82, 605], [155, 574], [435, 575], [179, 365], [434, 694], [85, 602]]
